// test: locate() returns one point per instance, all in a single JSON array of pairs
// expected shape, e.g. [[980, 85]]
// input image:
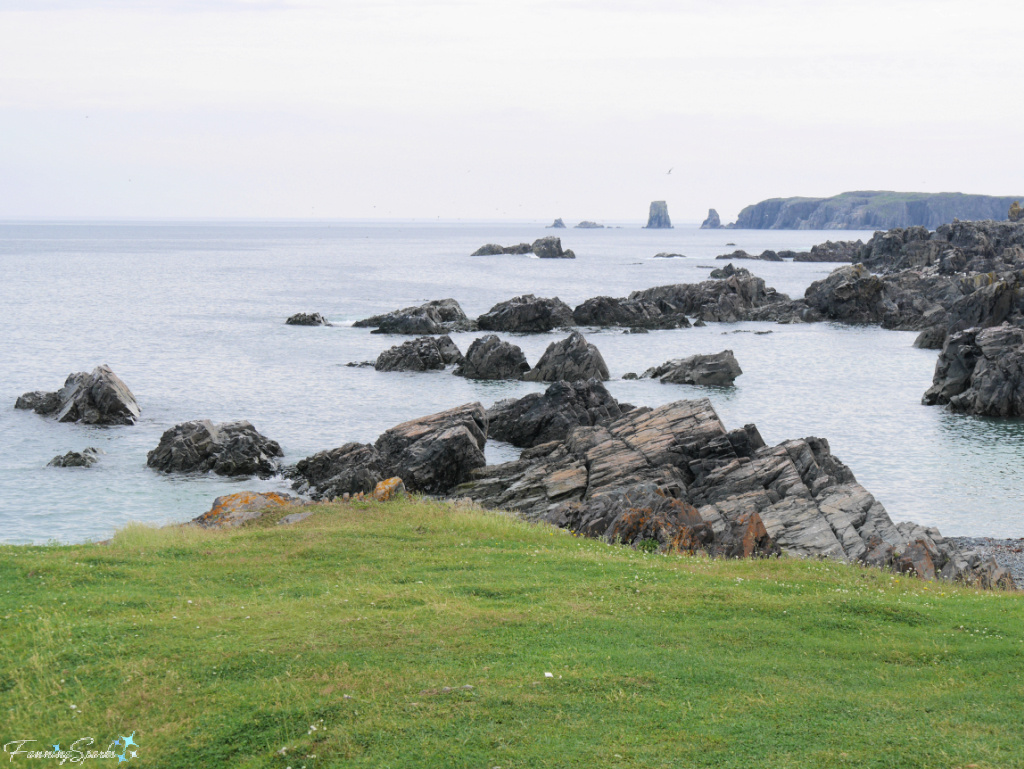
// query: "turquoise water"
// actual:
[[191, 316]]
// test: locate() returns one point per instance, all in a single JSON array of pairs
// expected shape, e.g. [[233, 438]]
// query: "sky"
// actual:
[[524, 110]]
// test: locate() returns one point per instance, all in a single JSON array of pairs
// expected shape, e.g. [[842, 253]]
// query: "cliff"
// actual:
[[871, 211]]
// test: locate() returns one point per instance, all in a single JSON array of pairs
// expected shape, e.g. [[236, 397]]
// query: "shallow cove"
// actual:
[[191, 317]]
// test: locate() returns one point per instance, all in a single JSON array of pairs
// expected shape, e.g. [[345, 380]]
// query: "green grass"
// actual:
[[222, 648]]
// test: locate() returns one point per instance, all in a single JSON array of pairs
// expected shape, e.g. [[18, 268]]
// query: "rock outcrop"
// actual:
[[713, 222], [307, 319], [849, 294], [527, 314], [585, 225], [549, 247], [981, 371], [428, 353], [491, 358], [431, 455], [667, 255], [717, 370], [570, 359], [558, 224], [439, 316], [765, 256], [630, 313], [729, 270], [549, 416], [229, 448], [84, 458], [829, 251], [658, 218], [99, 398], [232, 510]]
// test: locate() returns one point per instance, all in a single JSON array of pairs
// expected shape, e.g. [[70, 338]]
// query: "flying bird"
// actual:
[[670, 170]]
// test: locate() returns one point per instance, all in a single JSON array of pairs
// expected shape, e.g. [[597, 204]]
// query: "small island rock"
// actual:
[[307, 319], [527, 314], [491, 358], [99, 398], [428, 353], [657, 218], [713, 222], [229, 448], [719, 369], [570, 359]]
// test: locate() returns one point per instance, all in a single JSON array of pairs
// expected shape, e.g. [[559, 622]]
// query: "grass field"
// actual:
[[415, 634]]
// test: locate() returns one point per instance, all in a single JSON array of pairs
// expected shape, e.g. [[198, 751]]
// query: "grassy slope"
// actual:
[[220, 648]]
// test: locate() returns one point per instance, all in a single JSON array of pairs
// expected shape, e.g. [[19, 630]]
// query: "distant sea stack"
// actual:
[[658, 217], [872, 210], [558, 224], [713, 222]]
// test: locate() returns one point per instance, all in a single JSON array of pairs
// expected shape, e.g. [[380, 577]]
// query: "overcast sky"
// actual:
[[498, 109]]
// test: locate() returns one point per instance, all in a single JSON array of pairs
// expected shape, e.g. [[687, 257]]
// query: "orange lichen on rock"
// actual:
[[392, 488], [234, 509]]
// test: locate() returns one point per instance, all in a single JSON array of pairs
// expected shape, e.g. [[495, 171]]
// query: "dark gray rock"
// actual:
[[729, 270], [658, 218], [550, 247], [84, 458], [713, 222], [558, 224], [491, 358], [981, 371], [428, 353], [493, 249], [439, 316], [549, 416], [229, 448], [839, 251], [932, 338], [585, 225], [718, 369], [99, 398], [350, 469], [570, 359], [610, 311], [307, 319], [667, 255], [527, 314], [765, 256], [849, 294]]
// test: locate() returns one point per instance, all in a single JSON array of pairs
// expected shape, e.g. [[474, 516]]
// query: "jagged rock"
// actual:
[[931, 338], [233, 510], [428, 353], [307, 319], [99, 398], [550, 247], [718, 369], [840, 251], [630, 375], [558, 224], [439, 316], [741, 296], [229, 448], [850, 294], [981, 371], [493, 249], [84, 458], [491, 358], [713, 222], [527, 314], [765, 256], [538, 418], [609, 311], [657, 218], [729, 270], [589, 226], [570, 359], [354, 468], [667, 255], [434, 453]]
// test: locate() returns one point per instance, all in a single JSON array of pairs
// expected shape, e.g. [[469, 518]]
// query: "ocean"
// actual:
[[191, 317]]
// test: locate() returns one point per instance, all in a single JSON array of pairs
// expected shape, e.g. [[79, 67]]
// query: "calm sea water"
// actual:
[[191, 316]]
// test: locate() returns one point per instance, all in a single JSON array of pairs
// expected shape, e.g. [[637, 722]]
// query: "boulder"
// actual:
[[389, 490], [99, 398], [527, 314], [428, 353], [84, 458], [229, 448], [610, 311], [728, 271], [657, 217], [491, 358], [570, 359], [718, 369], [981, 371], [549, 416], [307, 319], [849, 294], [932, 338], [550, 247], [436, 317], [355, 468], [713, 222], [558, 224], [233, 510]]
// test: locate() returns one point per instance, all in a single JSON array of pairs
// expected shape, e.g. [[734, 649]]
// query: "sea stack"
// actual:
[[713, 222], [658, 217]]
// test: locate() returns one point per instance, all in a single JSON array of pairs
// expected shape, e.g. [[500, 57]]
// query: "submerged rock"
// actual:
[[84, 458], [527, 314], [718, 369], [229, 448], [99, 398], [491, 358], [981, 371], [307, 319], [428, 353], [657, 217], [439, 316], [549, 416], [570, 359]]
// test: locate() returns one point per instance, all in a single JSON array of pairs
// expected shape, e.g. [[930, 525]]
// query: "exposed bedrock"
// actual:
[[713, 222], [657, 217], [735, 494], [548, 247], [981, 371], [439, 316], [829, 251], [717, 369], [84, 458], [527, 314], [431, 455], [570, 359], [428, 353], [307, 319], [765, 256], [492, 358], [97, 398], [549, 416], [558, 224], [229, 448]]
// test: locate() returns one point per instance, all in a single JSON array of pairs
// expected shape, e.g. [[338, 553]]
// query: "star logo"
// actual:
[[124, 743], [56, 748]]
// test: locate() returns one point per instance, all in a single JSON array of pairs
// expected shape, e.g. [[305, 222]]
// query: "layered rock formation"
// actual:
[[439, 316], [307, 319], [549, 416], [717, 370], [527, 314], [229, 448], [428, 353], [829, 251], [713, 222], [658, 218], [548, 247], [97, 398], [981, 371], [570, 359], [491, 358]]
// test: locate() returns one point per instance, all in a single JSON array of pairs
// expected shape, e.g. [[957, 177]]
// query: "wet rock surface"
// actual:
[[428, 353], [981, 371], [229, 448], [570, 359], [492, 358], [527, 314], [97, 398], [717, 369], [439, 316], [549, 416], [84, 458], [307, 319]]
